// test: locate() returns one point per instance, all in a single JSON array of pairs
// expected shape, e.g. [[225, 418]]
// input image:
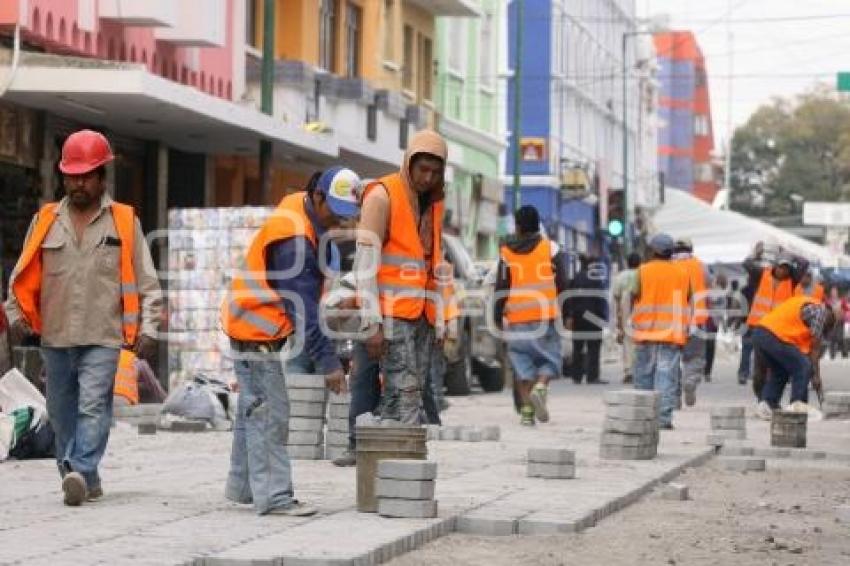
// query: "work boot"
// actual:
[[74, 488], [742, 380], [538, 401], [763, 411], [526, 415], [94, 494], [346, 460], [690, 395], [294, 509]]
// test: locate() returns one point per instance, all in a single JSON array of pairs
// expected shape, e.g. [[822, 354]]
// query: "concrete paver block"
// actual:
[[189, 426], [147, 428], [632, 397], [727, 412], [742, 464], [607, 452], [407, 508], [628, 412], [491, 433], [486, 526], [471, 435], [806, 454], [837, 397], [551, 456], [339, 399], [728, 423], [449, 433], [772, 452], [308, 395], [337, 438], [338, 425], [305, 381], [299, 452], [551, 471], [338, 411], [619, 439], [731, 434], [542, 525], [629, 426], [307, 409], [675, 492], [405, 489], [315, 424], [433, 432], [407, 469], [304, 437], [737, 450], [716, 440], [334, 452]]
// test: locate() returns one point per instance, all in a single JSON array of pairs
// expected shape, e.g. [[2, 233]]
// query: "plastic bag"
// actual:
[[17, 392], [202, 399]]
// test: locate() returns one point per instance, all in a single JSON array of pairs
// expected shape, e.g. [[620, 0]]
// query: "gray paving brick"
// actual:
[[807, 454], [308, 395], [147, 428], [405, 489], [333, 452], [737, 450], [551, 471], [407, 508], [731, 434], [629, 426], [551, 455], [837, 397], [337, 438], [433, 432], [742, 464], [449, 433], [338, 425], [772, 452], [632, 397], [675, 492], [305, 381], [306, 424], [728, 423], [307, 409], [716, 440], [627, 412], [407, 469], [471, 435], [302, 437], [339, 399], [726, 412], [478, 524], [541, 524], [338, 411], [627, 452], [619, 439], [491, 433], [189, 426], [298, 452]]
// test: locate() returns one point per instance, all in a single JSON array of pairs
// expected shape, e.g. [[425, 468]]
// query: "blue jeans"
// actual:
[[746, 354], [365, 388], [657, 368], [784, 361], [260, 471], [534, 357], [80, 381]]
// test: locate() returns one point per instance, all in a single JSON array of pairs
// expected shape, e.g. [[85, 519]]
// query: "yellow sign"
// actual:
[[533, 149]]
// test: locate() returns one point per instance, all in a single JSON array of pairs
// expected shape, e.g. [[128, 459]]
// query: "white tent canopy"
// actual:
[[723, 236]]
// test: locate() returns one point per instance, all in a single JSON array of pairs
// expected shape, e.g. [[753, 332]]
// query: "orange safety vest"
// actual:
[[818, 292], [406, 282], [769, 294], [696, 276], [127, 377], [532, 296], [787, 325], [253, 311], [661, 311], [27, 284]]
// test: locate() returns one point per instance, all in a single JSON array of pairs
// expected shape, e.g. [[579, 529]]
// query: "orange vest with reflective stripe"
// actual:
[[786, 324], [253, 311], [127, 377], [532, 296], [661, 311], [769, 294], [27, 284], [696, 276], [818, 292], [405, 276]]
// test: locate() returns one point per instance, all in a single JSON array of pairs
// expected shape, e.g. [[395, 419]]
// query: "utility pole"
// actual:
[[266, 100], [517, 125]]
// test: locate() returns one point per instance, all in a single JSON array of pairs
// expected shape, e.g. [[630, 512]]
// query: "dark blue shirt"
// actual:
[[282, 258]]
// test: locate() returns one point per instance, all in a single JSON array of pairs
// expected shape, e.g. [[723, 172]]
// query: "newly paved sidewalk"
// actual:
[[164, 502]]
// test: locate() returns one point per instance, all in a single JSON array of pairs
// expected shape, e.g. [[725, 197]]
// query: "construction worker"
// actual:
[[623, 289], [789, 340], [398, 254], [693, 354], [85, 283], [776, 283], [809, 287], [531, 276], [273, 300], [659, 324]]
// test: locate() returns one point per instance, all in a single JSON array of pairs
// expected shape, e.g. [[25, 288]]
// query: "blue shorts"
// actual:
[[534, 357]]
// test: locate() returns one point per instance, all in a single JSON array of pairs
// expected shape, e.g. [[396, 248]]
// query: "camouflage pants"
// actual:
[[409, 347]]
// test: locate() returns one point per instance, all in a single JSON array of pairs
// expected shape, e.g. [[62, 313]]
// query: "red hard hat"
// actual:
[[84, 151]]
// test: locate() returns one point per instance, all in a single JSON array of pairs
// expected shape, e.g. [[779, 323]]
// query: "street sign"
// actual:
[[826, 213], [844, 82]]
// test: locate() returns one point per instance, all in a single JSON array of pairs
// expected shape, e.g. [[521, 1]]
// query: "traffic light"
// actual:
[[616, 225]]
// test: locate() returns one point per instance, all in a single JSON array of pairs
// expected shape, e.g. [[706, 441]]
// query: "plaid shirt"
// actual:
[[814, 316]]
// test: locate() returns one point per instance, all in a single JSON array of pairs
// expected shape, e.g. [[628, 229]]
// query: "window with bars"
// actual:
[[327, 33], [353, 27]]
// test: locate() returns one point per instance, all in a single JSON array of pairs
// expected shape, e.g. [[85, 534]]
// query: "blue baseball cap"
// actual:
[[662, 244], [340, 187]]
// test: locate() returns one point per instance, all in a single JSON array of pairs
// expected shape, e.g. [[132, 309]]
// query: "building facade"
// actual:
[[470, 97], [686, 136]]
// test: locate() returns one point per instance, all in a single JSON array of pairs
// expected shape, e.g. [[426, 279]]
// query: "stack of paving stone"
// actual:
[[836, 405], [336, 439], [490, 433], [405, 489], [307, 395], [551, 463], [630, 430], [728, 423]]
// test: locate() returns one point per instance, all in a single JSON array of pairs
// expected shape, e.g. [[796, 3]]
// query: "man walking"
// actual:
[[789, 340], [660, 320], [693, 354], [273, 300], [586, 310], [85, 283], [531, 276], [624, 287], [398, 257]]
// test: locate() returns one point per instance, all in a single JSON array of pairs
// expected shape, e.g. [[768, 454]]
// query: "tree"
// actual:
[[790, 151]]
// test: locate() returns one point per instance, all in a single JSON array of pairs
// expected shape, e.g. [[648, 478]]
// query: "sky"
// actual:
[[780, 48]]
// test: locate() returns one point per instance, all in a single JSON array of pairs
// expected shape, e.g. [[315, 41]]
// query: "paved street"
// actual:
[[164, 501]]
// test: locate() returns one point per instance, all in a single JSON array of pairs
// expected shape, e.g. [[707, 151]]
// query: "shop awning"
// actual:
[[131, 101]]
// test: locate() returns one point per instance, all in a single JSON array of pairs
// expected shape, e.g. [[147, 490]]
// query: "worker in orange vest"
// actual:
[[659, 324], [809, 287], [693, 354], [789, 340], [398, 254], [85, 283], [531, 277], [273, 300]]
